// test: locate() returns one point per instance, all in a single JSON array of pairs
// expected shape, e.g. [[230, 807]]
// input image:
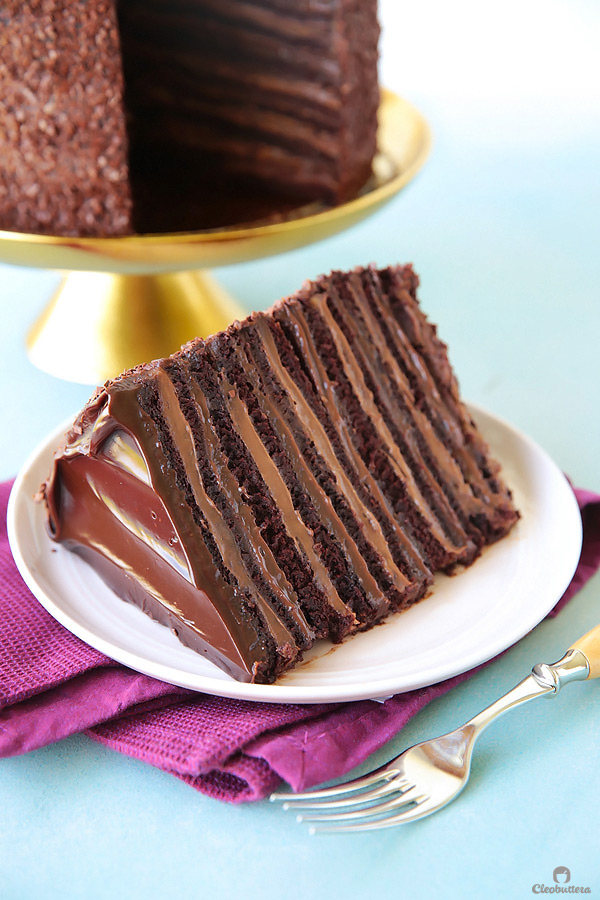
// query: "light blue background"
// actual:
[[503, 227]]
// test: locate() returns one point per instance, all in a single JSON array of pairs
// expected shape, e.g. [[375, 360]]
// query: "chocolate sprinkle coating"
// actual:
[[62, 131]]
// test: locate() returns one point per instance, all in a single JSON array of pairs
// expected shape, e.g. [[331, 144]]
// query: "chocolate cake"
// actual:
[[123, 116], [299, 476]]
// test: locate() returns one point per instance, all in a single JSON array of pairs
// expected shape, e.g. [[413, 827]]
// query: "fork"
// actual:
[[429, 775]]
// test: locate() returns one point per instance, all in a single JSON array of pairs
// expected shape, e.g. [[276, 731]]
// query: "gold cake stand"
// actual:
[[130, 299]]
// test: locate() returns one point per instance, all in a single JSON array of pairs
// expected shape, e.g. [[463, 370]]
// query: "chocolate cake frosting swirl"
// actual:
[[300, 476]]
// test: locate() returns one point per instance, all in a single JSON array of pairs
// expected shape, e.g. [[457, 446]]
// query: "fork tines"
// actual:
[[357, 805]]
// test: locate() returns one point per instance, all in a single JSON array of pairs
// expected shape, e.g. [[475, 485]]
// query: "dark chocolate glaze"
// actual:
[[96, 504]]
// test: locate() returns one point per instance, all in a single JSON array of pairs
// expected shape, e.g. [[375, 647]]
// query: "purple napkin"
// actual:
[[53, 685]]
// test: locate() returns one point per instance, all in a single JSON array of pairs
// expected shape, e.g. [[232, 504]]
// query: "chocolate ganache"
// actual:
[[299, 476]]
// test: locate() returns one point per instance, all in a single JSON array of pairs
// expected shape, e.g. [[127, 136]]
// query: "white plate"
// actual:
[[467, 619]]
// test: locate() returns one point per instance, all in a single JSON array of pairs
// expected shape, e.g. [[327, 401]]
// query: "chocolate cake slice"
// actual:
[[299, 476], [123, 116]]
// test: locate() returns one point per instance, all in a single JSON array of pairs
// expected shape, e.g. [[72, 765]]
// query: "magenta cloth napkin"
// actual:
[[53, 685]]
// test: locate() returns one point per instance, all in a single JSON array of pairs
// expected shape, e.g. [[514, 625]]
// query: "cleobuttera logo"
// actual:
[[561, 876]]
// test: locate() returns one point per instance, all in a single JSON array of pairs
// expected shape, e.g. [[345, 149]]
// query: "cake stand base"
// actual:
[[100, 323]]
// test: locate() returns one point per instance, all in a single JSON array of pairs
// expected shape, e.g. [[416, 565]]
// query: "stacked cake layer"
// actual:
[[299, 476]]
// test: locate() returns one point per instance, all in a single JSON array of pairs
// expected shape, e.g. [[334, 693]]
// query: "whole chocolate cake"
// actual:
[[123, 116], [299, 476]]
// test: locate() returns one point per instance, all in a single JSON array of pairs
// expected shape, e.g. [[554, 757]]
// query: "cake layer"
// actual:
[[302, 475]]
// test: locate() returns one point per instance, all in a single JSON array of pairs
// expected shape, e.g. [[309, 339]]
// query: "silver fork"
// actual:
[[431, 774]]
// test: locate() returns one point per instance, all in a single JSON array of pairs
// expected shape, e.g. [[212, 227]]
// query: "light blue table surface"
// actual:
[[503, 227]]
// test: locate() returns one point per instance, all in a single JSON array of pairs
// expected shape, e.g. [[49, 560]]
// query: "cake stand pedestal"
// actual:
[[100, 323], [131, 299]]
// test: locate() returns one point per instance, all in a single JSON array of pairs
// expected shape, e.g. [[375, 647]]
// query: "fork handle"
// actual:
[[589, 645], [576, 665]]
